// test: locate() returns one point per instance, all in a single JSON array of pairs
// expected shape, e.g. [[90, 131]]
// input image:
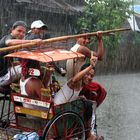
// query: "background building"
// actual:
[[58, 14]]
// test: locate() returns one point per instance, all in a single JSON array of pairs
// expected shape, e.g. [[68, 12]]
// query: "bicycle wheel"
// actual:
[[65, 126]]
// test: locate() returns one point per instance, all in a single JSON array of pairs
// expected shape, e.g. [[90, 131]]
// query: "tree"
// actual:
[[105, 15]]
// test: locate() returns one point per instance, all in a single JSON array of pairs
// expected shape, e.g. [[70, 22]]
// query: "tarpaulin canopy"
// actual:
[[46, 55]]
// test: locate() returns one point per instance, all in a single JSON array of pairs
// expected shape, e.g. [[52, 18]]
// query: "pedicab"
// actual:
[[49, 121]]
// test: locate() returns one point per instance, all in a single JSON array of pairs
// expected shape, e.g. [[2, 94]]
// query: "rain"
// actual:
[[118, 117]]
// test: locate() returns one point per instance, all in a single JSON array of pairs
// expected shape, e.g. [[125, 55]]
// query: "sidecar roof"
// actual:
[[46, 55]]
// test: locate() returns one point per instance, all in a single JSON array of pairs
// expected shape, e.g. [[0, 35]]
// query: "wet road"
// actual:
[[118, 118]]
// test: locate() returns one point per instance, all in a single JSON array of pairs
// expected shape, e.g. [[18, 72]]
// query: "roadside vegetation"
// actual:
[[107, 15]]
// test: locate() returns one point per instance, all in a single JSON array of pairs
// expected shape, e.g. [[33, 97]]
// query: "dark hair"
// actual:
[[45, 27], [83, 30], [85, 66], [19, 23]]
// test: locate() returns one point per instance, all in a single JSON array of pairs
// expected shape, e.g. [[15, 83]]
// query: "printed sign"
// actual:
[[31, 101]]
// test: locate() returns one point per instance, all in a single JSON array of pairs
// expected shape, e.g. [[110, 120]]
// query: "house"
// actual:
[[59, 15], [134, 19]]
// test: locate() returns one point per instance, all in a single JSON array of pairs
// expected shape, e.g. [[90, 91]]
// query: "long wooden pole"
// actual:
[[61, 38]]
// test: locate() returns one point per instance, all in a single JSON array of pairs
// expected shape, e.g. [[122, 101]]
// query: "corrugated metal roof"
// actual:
[[28, 1], [56, 6]]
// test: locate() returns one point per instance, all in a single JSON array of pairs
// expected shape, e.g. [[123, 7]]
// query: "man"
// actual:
[[95, 93], [37, 31], [73, 66], [8, 73], [70, 91]]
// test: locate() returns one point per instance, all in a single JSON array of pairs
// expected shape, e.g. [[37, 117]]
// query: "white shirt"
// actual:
[[65, 94]]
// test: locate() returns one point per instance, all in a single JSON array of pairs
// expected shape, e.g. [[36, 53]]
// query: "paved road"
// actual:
[[119, 115]]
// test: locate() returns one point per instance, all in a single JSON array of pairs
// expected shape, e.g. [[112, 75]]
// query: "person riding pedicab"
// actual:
[[71, 89], [9, 73], [73, 66], [95, 93], [39, 31]]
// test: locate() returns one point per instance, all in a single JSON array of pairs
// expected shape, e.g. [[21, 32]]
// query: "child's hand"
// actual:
[[93, 60]]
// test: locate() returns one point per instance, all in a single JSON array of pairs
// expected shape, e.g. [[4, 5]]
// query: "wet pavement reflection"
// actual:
[[118, 117]]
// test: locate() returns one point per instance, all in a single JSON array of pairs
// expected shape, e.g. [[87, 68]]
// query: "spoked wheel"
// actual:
[[66, 126]]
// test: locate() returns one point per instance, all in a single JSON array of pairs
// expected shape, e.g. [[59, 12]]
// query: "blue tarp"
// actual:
[[136, 8], [132, 20]]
